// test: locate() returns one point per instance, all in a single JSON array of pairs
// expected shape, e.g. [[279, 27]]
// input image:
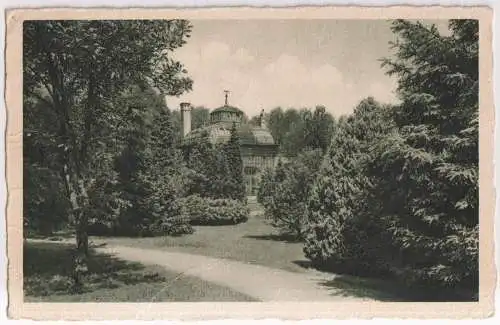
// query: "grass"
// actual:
[[252, 242], [48, 269]]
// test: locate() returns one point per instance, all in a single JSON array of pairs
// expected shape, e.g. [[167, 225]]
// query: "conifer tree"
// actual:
[[427, 172], [235, 166], [332, 232], [131, 165], [207, 169], [285, 202], [165, 176]]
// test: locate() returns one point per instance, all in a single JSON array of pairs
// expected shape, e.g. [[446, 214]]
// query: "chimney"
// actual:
[[186, 118]]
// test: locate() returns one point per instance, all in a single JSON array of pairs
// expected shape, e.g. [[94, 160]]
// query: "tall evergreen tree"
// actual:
[[428, 171], [333, 233], [235, 166], [201, 160], [165, 175]]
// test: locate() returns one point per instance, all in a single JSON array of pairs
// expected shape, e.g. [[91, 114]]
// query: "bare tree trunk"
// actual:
[[82, 239]]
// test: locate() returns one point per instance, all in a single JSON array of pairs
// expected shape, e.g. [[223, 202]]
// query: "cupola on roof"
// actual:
[[222, 120], [227, 113], [227, 107]]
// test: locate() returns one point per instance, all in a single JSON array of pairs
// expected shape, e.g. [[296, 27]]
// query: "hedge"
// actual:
[[206, 211]]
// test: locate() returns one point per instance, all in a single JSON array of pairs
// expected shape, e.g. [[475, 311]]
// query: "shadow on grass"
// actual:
[[274, 237], [53, 236], [384, 288], [389, 290], [215, 223], [306, 264], [48, 270], [351, 286]]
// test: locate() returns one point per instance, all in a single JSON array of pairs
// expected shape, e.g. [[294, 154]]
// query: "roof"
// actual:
[[227, 108], [255, 135], [219, 134]]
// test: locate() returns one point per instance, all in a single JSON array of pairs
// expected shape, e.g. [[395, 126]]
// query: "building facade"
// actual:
[[257, 146]]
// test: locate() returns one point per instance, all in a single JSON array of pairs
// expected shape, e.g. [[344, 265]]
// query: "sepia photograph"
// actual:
[[250, 160]]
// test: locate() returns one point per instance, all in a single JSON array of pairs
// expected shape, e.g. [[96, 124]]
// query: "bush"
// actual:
[[284, 192], [162, 220], [205, 211], [172, 226]]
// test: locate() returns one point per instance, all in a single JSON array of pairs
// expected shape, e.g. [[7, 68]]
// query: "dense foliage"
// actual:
[[216, 171], [73, 73], [284, 191], [234, 162], [206, 211], [427, 173], [149, 169], [336, 230], [298, 130], [398, 190], [387, 190]]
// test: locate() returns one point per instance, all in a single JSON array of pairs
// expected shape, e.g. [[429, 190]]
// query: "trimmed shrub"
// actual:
[[205, 211]]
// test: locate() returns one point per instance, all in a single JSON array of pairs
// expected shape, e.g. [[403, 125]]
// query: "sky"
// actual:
[[287, 63]]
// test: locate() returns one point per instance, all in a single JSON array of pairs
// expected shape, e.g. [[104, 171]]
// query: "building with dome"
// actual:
[[257, 146]]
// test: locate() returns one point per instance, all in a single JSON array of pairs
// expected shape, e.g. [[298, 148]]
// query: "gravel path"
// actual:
[[260, 282]]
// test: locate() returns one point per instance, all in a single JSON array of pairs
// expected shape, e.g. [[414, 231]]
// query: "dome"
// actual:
[[226, 115], [227, 108]]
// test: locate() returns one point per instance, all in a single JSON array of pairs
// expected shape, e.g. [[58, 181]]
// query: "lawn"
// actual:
[[48, 269], [254, 241]]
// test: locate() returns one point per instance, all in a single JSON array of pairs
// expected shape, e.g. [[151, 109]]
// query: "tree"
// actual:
[[284, 192], [166, 176], [150, 168], [427, 172], [44, 205], [297, 130], [335, 229], [76, 68], [277, 124], [131, 164], [199, 116], [318, 129], [209, 169], [235, 165]]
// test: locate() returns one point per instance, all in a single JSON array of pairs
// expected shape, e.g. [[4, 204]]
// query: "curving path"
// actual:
[[260, 282]]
